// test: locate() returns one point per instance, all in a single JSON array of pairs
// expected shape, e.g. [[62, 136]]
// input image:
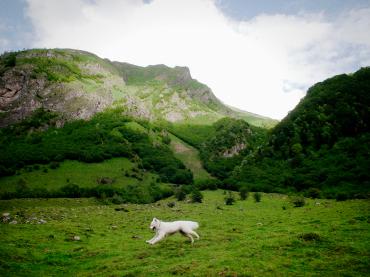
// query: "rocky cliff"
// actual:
[[77, 84]]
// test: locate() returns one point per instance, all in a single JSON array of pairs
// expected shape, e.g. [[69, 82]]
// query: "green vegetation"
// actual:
[[321, 149], [82, 237], [7, 61], [105, 180], [56, 65], [189, 156], [232, 139], [105, 136], [322, 144], [223, 144]]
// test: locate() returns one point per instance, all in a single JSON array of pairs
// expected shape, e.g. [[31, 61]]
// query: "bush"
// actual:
[[257, 196], [196, 196], [171, 204], [117, 199], [229, 199], [341, 196], [54, 165], [211, 184], [71, 190], [244, 193], [313, 193], [298, 201], [180, 193], [166, 140]]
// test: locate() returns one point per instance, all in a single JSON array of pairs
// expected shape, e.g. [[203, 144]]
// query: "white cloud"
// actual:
[[263, 65]]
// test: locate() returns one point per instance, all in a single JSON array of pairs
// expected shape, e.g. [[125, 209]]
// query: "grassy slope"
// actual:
[[256, 239], [82, 174], [189, 156]]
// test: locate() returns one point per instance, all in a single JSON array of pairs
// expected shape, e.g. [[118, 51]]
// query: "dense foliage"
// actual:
[[232, 139], [106, 135], [222, 145], [324, 143]]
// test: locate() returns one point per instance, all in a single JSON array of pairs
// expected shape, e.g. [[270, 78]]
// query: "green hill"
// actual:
[[322, 144]]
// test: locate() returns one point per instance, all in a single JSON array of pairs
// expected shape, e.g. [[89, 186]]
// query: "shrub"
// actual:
[[117, 199], [54, 165], [257, 196], [196, 196], [166, 140], [313, 193], [211, 184], [244, 193], [229, 199], [171, 204], [298, 201], [71, 190], [180, 193], [341, 196]]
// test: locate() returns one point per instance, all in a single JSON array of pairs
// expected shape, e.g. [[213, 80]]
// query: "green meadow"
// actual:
[[83, 237], [189, 156], [121, 171]]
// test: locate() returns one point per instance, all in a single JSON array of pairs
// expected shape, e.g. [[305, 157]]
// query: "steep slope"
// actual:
[[106, 135], [189, 156], [223, 144], [76, 85], [324, 143]]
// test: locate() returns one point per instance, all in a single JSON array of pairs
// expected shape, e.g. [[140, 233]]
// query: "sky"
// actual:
[[258, 56]]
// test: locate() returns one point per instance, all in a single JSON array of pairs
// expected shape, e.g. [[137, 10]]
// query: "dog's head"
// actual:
[[155, 224]]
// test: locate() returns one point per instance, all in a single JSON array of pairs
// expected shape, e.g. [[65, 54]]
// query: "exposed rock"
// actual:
[[102, 84], [13, 222], [76, 238], [235, 150], [174, 116]]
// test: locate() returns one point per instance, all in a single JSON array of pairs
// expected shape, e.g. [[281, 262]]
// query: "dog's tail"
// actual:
[[194, 225]]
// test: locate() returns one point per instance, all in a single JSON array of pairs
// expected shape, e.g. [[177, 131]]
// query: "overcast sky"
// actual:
[[259, 56]]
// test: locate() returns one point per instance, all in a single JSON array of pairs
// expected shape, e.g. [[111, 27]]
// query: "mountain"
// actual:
[[322, 145], [77, 84]]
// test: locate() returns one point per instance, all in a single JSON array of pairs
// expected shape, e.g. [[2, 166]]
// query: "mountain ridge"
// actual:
[[77, 84]]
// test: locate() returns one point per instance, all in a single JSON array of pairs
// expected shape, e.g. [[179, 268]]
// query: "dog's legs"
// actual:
[[157, 238], [190, 237], [149, 241], [195, 234]]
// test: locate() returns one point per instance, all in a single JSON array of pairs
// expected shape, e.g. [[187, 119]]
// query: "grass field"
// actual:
[[75, 172], [270, 238], [189, 156]]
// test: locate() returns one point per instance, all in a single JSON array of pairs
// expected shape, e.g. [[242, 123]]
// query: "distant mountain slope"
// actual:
[[77, 84], [324, 143]]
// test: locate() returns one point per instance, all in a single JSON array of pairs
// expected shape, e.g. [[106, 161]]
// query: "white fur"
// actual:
[[163, 229]]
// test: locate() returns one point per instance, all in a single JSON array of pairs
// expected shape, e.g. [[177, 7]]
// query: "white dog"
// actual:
[[163, 229]]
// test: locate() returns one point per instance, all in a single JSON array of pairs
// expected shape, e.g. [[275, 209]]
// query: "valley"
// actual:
[[92, 149]]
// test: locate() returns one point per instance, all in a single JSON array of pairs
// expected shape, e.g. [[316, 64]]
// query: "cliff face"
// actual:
[[77, 84]]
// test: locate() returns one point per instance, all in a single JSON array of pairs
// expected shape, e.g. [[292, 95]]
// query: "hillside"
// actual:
[[37, 145], [322, 144], [77, 84]]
